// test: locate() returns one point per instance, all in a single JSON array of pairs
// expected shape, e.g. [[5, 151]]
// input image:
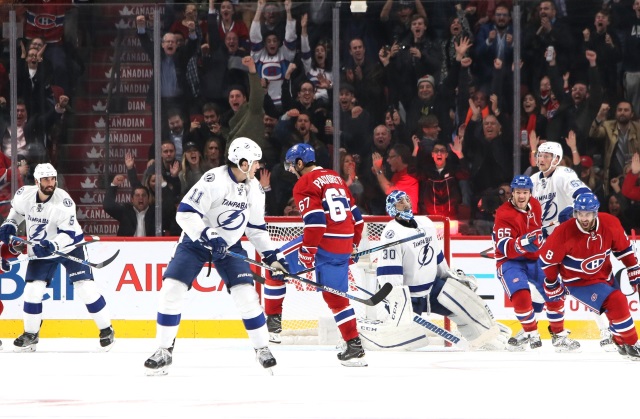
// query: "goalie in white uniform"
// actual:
[[433, 287], [50, 216], [226, 203]]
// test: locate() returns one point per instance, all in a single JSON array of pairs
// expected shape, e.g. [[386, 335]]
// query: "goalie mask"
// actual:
[[399, 198]]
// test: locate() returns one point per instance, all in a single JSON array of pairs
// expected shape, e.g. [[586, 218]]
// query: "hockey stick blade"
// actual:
[[377, 248], [375, 299], [73, 258], [432, 327]]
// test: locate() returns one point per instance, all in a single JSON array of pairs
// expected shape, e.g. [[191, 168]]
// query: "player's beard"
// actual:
[[49, 190]]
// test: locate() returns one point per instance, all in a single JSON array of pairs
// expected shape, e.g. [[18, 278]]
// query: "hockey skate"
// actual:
[[274, 325], [265, 358], [26, 342], [606, 340], [633, 351], [518, 342], [159, 362], [353, 355], [107, 338], [563, 343]]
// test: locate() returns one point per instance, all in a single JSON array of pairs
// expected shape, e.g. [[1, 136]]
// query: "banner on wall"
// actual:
[[130, 285]]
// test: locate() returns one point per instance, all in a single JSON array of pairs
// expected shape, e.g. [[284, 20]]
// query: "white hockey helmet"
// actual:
[[551, 148], [44, 170], [244, 148]]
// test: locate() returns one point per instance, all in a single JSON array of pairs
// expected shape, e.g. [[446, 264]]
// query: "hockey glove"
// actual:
[[354, 255], [276, 260], [565, 214], [4, 266], [530, 242], [469, 281], [307, 256], [634, 276], [44, 248], [213, 242], [6, 231], [554, 289]]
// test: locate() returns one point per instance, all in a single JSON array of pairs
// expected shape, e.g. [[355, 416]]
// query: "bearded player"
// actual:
[[579, 251]]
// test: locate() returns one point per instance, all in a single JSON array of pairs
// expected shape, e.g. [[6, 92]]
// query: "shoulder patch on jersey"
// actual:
[[568, 170], [19, 192], [389, 234], [209, 177], [67, 202]]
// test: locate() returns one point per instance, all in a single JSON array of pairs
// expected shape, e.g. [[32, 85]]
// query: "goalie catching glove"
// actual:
[[276, 260], [634, 276], [468, 280], [554, 289], [530, 242]]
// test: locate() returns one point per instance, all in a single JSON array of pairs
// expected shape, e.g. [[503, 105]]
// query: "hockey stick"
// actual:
[[73, 258], [432, 327], [375, 249], [375, 298], [94, 239]]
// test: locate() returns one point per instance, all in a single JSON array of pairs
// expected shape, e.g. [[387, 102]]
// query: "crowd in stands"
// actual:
[[425, 98]]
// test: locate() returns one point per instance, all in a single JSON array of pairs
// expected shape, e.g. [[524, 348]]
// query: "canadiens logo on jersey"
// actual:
[[593, 264]]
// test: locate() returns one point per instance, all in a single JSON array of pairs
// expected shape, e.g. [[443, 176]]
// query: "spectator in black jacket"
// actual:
[[136, 218]]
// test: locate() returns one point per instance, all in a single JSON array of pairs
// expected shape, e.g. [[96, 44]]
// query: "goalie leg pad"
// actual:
[[247, 302], [96, 305], [383, 336], [468, 311], [32, 308], [169, 311], [399, 306]]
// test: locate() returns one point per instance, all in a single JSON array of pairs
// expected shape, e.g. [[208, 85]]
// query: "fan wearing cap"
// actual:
[[225, 204], [193, 166]]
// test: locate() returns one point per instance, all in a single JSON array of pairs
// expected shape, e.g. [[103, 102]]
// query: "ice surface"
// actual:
[[219, 378]]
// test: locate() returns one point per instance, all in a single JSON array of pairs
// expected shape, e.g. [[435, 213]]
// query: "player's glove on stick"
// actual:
[[555, 289], [6, 231], [276, 260], [44, 248], [212, 241], [354, 255], [634, 276], [307, 256], [530, 242]]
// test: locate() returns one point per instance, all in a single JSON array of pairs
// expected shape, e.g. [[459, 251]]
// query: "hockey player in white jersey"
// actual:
[[556, 188], [224, 204], [433, 286], [50, 216]]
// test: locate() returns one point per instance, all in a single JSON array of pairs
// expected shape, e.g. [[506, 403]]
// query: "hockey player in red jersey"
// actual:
[[579, 252], [518, 236], [332, 230]]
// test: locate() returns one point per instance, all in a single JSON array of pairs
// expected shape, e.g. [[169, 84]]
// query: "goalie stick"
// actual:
[[73, 258], [94, 239], [375, 249], [432, 327], [375, 298]]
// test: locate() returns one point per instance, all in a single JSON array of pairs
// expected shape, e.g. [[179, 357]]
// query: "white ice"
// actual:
[[219, 378]]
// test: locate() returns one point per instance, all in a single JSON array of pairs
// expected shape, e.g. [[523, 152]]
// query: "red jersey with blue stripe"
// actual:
[[332, 221], [512, 223], [582, 257]]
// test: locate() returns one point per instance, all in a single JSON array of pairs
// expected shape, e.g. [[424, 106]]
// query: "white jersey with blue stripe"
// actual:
[[414, 263], [556, 192], [53, 219], [230, 207]]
